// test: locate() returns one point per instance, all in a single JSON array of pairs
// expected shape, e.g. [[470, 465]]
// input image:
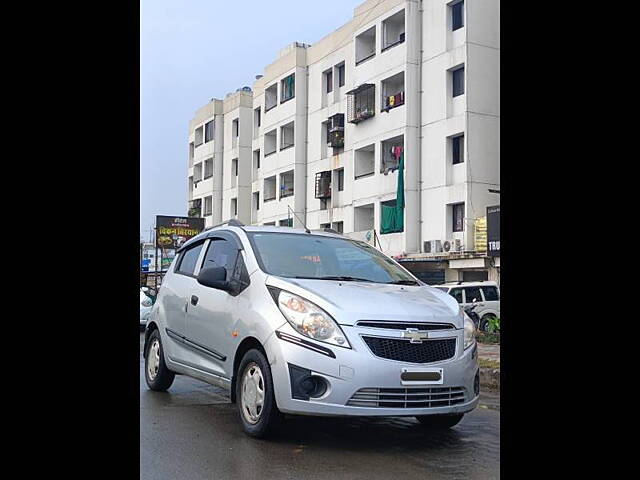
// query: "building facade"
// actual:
[[387, 130]]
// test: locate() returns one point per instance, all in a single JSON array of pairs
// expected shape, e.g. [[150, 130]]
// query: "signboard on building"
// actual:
[[480, 234], [493, 231], [172, 232]]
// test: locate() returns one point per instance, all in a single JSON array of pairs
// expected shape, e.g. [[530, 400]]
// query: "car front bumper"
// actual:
[[357, 368]]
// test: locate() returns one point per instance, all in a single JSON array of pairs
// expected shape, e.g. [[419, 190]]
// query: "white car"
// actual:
[[486, 295], [146, 304]]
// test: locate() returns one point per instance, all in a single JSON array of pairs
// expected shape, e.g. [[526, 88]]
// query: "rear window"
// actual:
[[490, 293]]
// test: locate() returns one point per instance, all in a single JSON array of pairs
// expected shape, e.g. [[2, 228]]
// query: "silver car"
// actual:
[[311, 323]]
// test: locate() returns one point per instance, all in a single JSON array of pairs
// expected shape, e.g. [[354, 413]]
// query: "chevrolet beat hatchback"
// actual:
[[311, 323]]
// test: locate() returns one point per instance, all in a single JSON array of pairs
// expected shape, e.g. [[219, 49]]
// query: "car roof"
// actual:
[[258, 229], [487, 283]]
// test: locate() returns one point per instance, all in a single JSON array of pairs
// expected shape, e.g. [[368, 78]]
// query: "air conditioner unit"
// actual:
[[451, 245], [432, 246]]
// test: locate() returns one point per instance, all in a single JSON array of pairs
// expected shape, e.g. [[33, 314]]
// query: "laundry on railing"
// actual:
[[391, 159], [394, 101]]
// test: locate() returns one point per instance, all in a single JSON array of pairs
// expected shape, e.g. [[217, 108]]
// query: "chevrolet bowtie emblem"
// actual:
[[414, 335]]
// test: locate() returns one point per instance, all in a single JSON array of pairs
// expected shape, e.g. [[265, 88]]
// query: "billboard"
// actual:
[[480, 234], [172, 232], [493, 231]]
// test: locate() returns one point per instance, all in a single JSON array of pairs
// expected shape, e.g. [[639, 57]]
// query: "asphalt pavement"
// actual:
[[192, 432]]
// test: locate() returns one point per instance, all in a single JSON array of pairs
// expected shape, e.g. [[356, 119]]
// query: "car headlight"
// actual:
[[146, 302], [310, 320], [469, 332]]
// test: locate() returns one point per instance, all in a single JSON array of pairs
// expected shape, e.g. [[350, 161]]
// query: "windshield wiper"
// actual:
[[403, 282], [339, 278]]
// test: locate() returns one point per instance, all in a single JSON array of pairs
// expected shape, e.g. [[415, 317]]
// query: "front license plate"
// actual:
[[422, 376]]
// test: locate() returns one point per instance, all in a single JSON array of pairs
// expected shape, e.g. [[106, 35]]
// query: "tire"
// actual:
[[159, 378], [440, 421], [484, 323], [256, 401]]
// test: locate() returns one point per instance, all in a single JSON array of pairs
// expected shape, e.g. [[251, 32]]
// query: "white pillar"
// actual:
[[218, 149]]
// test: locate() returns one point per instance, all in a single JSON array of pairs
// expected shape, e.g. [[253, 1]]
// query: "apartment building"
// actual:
[[403, 99]]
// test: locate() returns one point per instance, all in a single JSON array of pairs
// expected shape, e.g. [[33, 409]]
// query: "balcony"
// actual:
[[364, 162], [286, 184], [335, 131], [270, 97], [366, 45], [323, 184], [195, 208], [392, 149], [361, 103], [393, 31], [392, 92]]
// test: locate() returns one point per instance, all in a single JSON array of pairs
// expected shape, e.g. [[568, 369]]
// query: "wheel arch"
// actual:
[[247, 344], [151, 326]]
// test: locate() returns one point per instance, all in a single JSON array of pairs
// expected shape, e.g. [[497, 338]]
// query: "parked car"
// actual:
[[310, 323], [146, 304], [486, 295]]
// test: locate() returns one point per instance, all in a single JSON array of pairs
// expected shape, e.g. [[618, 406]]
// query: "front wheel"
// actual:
[[256, 402], [440, 421]]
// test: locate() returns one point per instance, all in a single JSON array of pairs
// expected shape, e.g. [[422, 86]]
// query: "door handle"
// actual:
[[194, 300]]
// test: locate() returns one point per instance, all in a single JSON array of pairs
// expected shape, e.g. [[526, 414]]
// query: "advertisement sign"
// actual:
[[172, 232], [493, 231], [480, 234]]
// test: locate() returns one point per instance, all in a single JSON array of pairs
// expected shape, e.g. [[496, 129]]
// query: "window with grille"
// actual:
[[323, 184], [361, 103]]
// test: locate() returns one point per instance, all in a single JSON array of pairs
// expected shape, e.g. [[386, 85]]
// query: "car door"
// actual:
[[473, 296], [212, 313], [175, 291]]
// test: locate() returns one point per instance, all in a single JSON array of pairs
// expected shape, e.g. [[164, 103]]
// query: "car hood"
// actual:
[[348, 302]]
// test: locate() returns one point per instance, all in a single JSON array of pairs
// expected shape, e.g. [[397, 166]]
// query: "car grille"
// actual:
[[407, 397], [404, 351], [404, 325]]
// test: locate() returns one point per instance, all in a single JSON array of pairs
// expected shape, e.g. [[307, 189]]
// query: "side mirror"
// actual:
[[214, 277]]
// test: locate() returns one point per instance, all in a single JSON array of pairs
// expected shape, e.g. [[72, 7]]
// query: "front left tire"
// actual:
[[159, 378], [255, 396]]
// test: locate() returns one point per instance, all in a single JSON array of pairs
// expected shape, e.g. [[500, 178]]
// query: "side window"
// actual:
[[457, 294], [473, 293], [221, 253], [490, 293], [240, 274], [189, 259]]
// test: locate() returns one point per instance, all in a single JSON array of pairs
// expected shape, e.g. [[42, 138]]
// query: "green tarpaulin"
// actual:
[[393, 215]]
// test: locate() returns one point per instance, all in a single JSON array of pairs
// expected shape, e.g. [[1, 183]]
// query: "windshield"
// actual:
[[320, 257]]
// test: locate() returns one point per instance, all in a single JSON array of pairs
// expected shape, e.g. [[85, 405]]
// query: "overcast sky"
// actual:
[[194, 50]]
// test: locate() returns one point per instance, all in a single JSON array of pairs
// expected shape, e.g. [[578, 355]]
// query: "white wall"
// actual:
[[430, 115]]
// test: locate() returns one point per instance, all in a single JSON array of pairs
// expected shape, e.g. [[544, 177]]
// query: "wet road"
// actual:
[[191, 432]]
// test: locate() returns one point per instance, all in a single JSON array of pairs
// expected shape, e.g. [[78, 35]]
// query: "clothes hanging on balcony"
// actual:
[[389, 164], [394, 100], [392, 217]]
